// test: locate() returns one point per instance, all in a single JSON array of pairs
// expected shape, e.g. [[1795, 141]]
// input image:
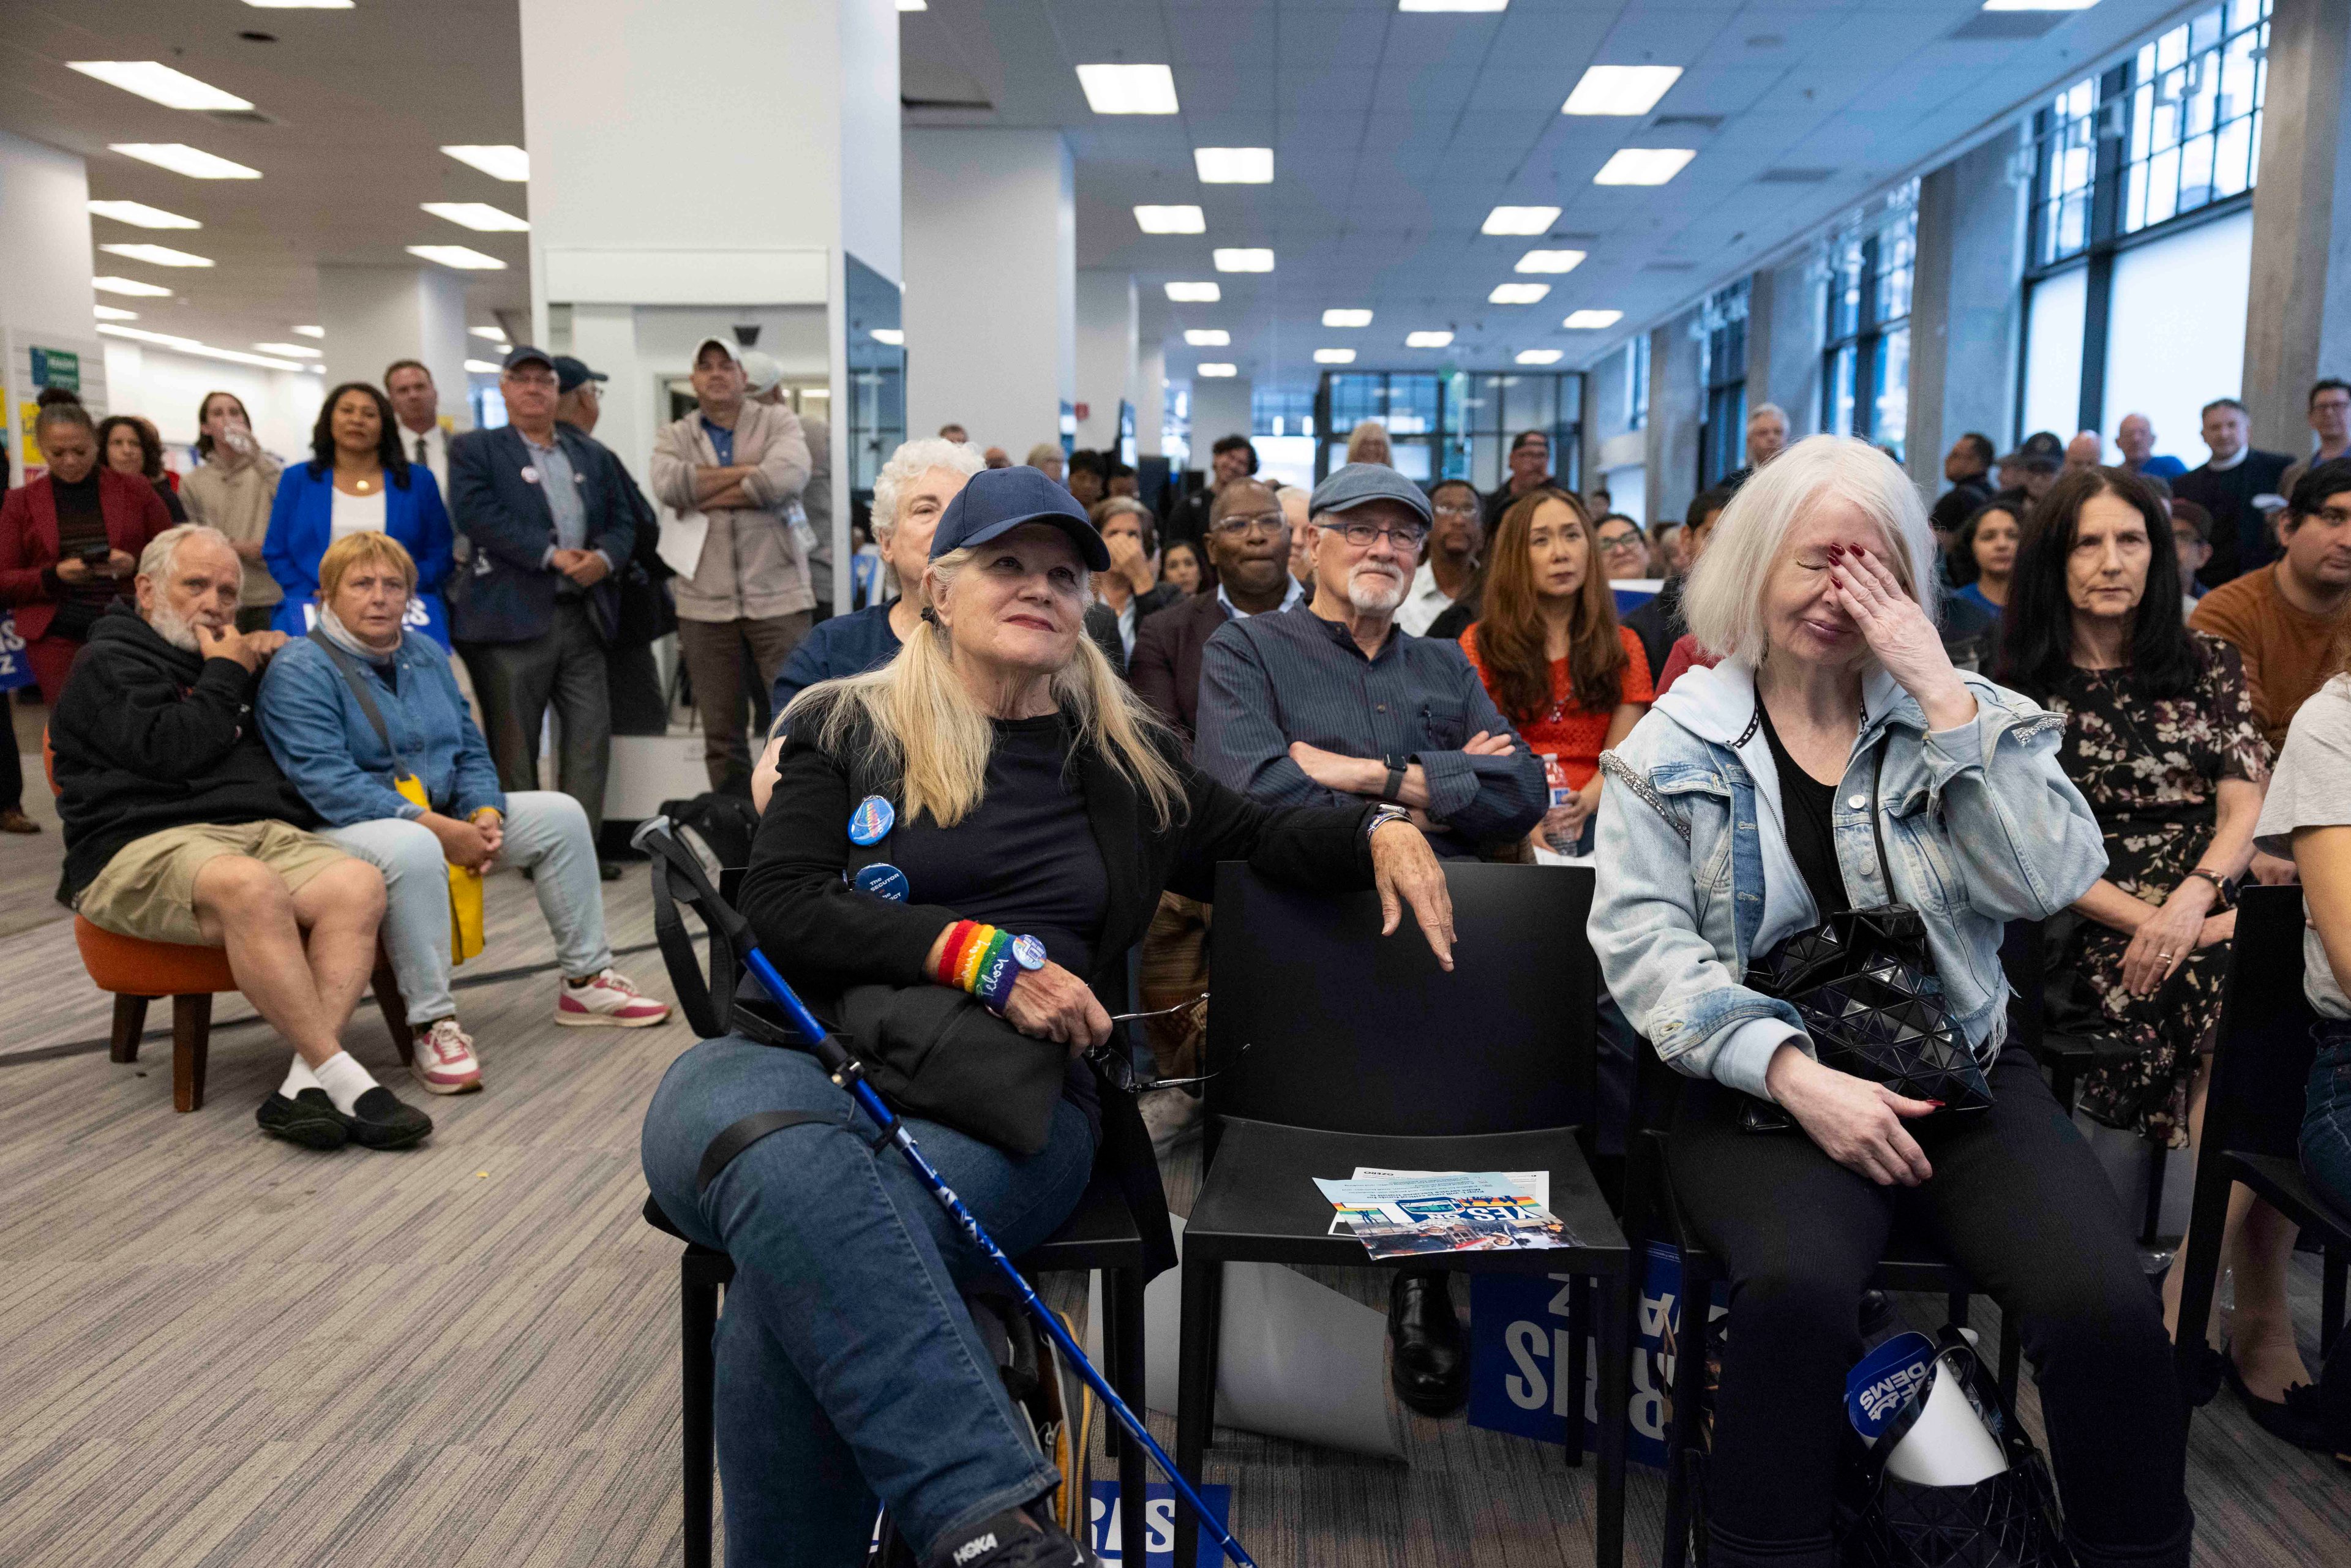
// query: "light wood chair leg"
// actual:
[[129, 1023], [191, 1029]]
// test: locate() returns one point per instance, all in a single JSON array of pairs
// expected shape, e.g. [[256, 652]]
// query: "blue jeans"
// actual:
[[848, 1365], [2327, 1114], [544, 828]]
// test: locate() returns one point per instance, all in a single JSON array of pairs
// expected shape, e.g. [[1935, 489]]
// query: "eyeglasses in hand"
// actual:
[[1119, 1072]]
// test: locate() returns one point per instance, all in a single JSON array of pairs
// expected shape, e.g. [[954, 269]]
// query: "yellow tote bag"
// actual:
[[464, 886]]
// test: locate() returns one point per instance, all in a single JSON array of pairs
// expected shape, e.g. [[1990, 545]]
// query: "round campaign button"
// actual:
[[882, 879], [1028, 952], [872, 821]]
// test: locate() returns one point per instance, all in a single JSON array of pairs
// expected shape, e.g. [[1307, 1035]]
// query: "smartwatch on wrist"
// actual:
[[1393, 789]]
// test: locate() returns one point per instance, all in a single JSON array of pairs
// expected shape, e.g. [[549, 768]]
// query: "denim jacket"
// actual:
[[328, 748], [1981, 827]]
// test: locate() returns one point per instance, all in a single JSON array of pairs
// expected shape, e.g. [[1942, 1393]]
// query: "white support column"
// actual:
[[991, 285], [378, 315], [1106, 356], [1220, 407], [44, 293], [2300, 327], [1150, 398]]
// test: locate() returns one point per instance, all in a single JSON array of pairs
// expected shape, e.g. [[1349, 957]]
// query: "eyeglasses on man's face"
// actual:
[[1457, 508], [1406, 538], [1263, 522]]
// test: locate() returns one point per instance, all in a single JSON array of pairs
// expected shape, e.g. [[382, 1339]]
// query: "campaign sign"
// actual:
[[1882, 1382], [1519, 1358], [15, 670], [1104, 1539], [423, 614]]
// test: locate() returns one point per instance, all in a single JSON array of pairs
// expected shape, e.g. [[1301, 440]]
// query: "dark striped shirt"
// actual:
[[1271, 680]]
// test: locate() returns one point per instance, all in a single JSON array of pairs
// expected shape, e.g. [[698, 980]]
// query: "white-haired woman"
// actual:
[[993, 813], [1745, 809]]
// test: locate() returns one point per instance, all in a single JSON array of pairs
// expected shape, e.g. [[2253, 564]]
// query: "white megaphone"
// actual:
[[1948, 1443]]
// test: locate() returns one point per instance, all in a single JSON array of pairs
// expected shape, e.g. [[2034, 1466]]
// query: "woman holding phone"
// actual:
[[232, 491]]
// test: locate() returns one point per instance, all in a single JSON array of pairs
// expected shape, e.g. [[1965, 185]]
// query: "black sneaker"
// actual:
[[382, 1120], [309, 1119], [1011, 1540]]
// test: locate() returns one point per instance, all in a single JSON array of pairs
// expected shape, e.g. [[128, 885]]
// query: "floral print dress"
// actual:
[[2152, 772]]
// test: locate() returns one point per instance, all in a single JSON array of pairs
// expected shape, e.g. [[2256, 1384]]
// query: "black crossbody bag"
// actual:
[[1865, 984]]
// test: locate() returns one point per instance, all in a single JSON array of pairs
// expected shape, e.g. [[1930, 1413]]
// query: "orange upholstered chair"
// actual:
[[136, 972]]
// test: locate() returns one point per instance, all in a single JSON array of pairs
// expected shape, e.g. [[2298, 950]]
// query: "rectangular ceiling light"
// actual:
[[1452, 5], [113, 313], [1215, 370], [1643, 165], [888, 337], [1538, 356], [479, 217], [2039, 4], [159, 83], [483, 367], [1518, 220], [1194, 293], [1208, 338], [1346, 317], [1242, 260], [300, 5], [1550, 261], [459, 256], [495, 334], [181, 158], [130, 285], [1128, 90], [290, 350], [310, 332], [509, 163], [157, 255], [1620, 90], [141, 215], [1592, 320], [1234, 165], [1335, 356], [1427, 339], [204, 350], [914, 4], [1171, 220], [1518, 293]]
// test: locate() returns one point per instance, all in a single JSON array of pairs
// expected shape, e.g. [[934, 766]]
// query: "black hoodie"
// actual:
[[149, 736]]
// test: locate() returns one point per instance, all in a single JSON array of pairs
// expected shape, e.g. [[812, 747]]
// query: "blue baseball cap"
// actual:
[[1357, 483], [571, 374], [994, 501], [524, 354]]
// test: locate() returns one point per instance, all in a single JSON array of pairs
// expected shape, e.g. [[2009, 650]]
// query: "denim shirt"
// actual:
[[326, 747], [1980, 826]]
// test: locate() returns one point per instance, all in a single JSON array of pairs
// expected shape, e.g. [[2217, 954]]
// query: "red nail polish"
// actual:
[[1938, 1104], [1835, 550]]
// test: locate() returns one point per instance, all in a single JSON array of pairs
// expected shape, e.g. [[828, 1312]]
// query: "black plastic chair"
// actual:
[[1911, 1266], [1100, 1235], [1334, 1048], [2254, 1110]]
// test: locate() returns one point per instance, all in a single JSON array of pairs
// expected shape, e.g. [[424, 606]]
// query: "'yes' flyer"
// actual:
[[1472, 1211]]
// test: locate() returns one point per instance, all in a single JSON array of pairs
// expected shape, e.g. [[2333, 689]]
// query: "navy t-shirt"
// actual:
[[844, 645]]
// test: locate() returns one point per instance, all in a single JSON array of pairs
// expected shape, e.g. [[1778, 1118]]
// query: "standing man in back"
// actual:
[[416, 407], [2330, 420], [741, 465], [1530, 470], [643, 609], [1231, 460], [537, 606], [2239, 486], [2135, 438]]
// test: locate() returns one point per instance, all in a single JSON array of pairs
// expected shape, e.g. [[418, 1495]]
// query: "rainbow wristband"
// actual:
[[978, 959]]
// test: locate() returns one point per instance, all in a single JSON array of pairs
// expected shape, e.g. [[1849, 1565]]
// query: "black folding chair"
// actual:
[[1651, 1211], [1334, 1048], [1099, 1234], [2252, 1114]]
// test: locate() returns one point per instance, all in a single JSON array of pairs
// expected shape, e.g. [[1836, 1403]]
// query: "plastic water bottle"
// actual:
[[1559, 838]]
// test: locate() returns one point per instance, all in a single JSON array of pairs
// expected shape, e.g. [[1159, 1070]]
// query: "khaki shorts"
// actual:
[[149, 889]]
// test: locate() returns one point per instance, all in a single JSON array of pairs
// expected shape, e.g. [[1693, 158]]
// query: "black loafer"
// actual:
[[1430, 1366], [309, 1119], [382, 1120], [2295, 1420]]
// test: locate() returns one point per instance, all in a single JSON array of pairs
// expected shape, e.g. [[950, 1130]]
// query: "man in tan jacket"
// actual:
[[736, 467]]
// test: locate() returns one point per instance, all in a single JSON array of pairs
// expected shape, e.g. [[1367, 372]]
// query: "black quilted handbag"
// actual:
[[1866, 986]]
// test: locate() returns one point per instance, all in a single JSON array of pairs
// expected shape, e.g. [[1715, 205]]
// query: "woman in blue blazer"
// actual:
[[357, 481]]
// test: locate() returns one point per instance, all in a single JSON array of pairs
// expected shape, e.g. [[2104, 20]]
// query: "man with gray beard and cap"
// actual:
[[180, 828], [1332, 702]]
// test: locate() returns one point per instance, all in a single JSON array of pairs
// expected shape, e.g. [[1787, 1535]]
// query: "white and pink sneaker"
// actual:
[[444, 1060], [609, 1000]]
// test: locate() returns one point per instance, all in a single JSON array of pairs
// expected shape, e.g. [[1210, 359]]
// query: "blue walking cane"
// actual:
[[845, 1070]]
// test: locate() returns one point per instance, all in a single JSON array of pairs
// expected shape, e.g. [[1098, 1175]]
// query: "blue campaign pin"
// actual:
[[872, 821], [1882, 1382], [1029, 952], [882, 879]]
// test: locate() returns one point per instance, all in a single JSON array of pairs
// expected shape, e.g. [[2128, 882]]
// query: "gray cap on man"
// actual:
[[1357, 483]]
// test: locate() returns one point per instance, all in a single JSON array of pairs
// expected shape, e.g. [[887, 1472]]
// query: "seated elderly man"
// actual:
[[365, 717], [1331, 703], [180, 828]]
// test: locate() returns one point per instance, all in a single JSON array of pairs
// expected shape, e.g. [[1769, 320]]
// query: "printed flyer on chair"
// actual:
[[1467, 1211]]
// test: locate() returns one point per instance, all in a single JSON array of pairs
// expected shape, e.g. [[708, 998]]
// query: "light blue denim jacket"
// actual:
[[1981, 827]]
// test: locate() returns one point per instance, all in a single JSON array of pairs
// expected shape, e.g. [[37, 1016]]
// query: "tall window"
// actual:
[[1637, 383], [1722, 369], [1866, 366], [2065, 165], [2196, 113], [1485, 411]]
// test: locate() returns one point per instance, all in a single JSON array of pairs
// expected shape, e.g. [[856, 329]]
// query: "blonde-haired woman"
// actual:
[[1836, 760], [994, 813], [364, 701], [1368, 443]]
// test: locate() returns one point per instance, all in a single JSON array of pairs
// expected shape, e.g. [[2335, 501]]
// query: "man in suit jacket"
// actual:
[[2231, 487], [1248, 545], [535, 609]]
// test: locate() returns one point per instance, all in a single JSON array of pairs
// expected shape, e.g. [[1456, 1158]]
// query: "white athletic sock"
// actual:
[[344, 1079], [298, 1079]]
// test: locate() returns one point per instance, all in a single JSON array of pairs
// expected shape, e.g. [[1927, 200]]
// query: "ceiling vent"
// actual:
[[1707, 123], [240, 117], [2007, 26], [1572, 233], [1670, 267], [1792, 176], [957, 105]]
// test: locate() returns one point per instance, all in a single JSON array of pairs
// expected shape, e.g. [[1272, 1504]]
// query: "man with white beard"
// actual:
[[180, 828], [1332, 702]]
